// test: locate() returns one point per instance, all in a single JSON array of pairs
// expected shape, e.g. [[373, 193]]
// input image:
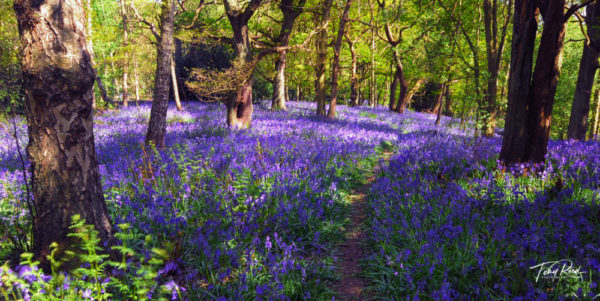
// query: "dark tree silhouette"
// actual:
[[578, 122], [531, 91]]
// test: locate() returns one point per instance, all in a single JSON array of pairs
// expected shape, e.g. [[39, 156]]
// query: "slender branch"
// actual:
[[580, 21], [140, 18], [575, 8], [196, 14]]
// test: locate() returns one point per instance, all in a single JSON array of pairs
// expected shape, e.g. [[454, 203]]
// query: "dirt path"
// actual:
[[351, 286]]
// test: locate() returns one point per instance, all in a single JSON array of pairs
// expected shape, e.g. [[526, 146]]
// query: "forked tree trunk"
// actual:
[[157, 126], [545, 79], [290, 11], [240, 105], [580, 110], [406, 95], [531, 97], [335, 68], [58, 79]]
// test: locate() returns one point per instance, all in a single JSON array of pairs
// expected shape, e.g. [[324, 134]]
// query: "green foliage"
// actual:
[[10, 69], [135, 277]]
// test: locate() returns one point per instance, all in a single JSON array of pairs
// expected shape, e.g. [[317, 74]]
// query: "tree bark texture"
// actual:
[[515, 139], [580, 110], [58, 79], [157, 126], [545, 78], [335, 67], [531, 96], [279, 99]]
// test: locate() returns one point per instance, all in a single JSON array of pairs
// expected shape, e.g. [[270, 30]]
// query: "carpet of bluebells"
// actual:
[[449, 222], [258, 214]]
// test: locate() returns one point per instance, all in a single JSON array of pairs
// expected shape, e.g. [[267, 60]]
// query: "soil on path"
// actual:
[[351, 286]]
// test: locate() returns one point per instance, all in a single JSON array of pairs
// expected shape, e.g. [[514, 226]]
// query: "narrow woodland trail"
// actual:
[[351, 286]]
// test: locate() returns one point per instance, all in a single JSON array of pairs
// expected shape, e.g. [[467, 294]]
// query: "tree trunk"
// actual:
[[58, 79], [406, 95], [545, 79], [515, 138], [494, 48], [335, 68], [157, 126], [175, 88], [241, 104], [88, 15], [290, 13], [125, 54], [393, 87], [596, 129], [320, 72], [321, 61], [136, 80], [441, 104], [353, 77], [448, 102], [531, 97], [373, 80], [437, 107], [578, 122], [279, 98], [102, 90], [114, 71]]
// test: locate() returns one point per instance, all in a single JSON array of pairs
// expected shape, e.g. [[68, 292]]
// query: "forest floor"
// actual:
[[351, 285]]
